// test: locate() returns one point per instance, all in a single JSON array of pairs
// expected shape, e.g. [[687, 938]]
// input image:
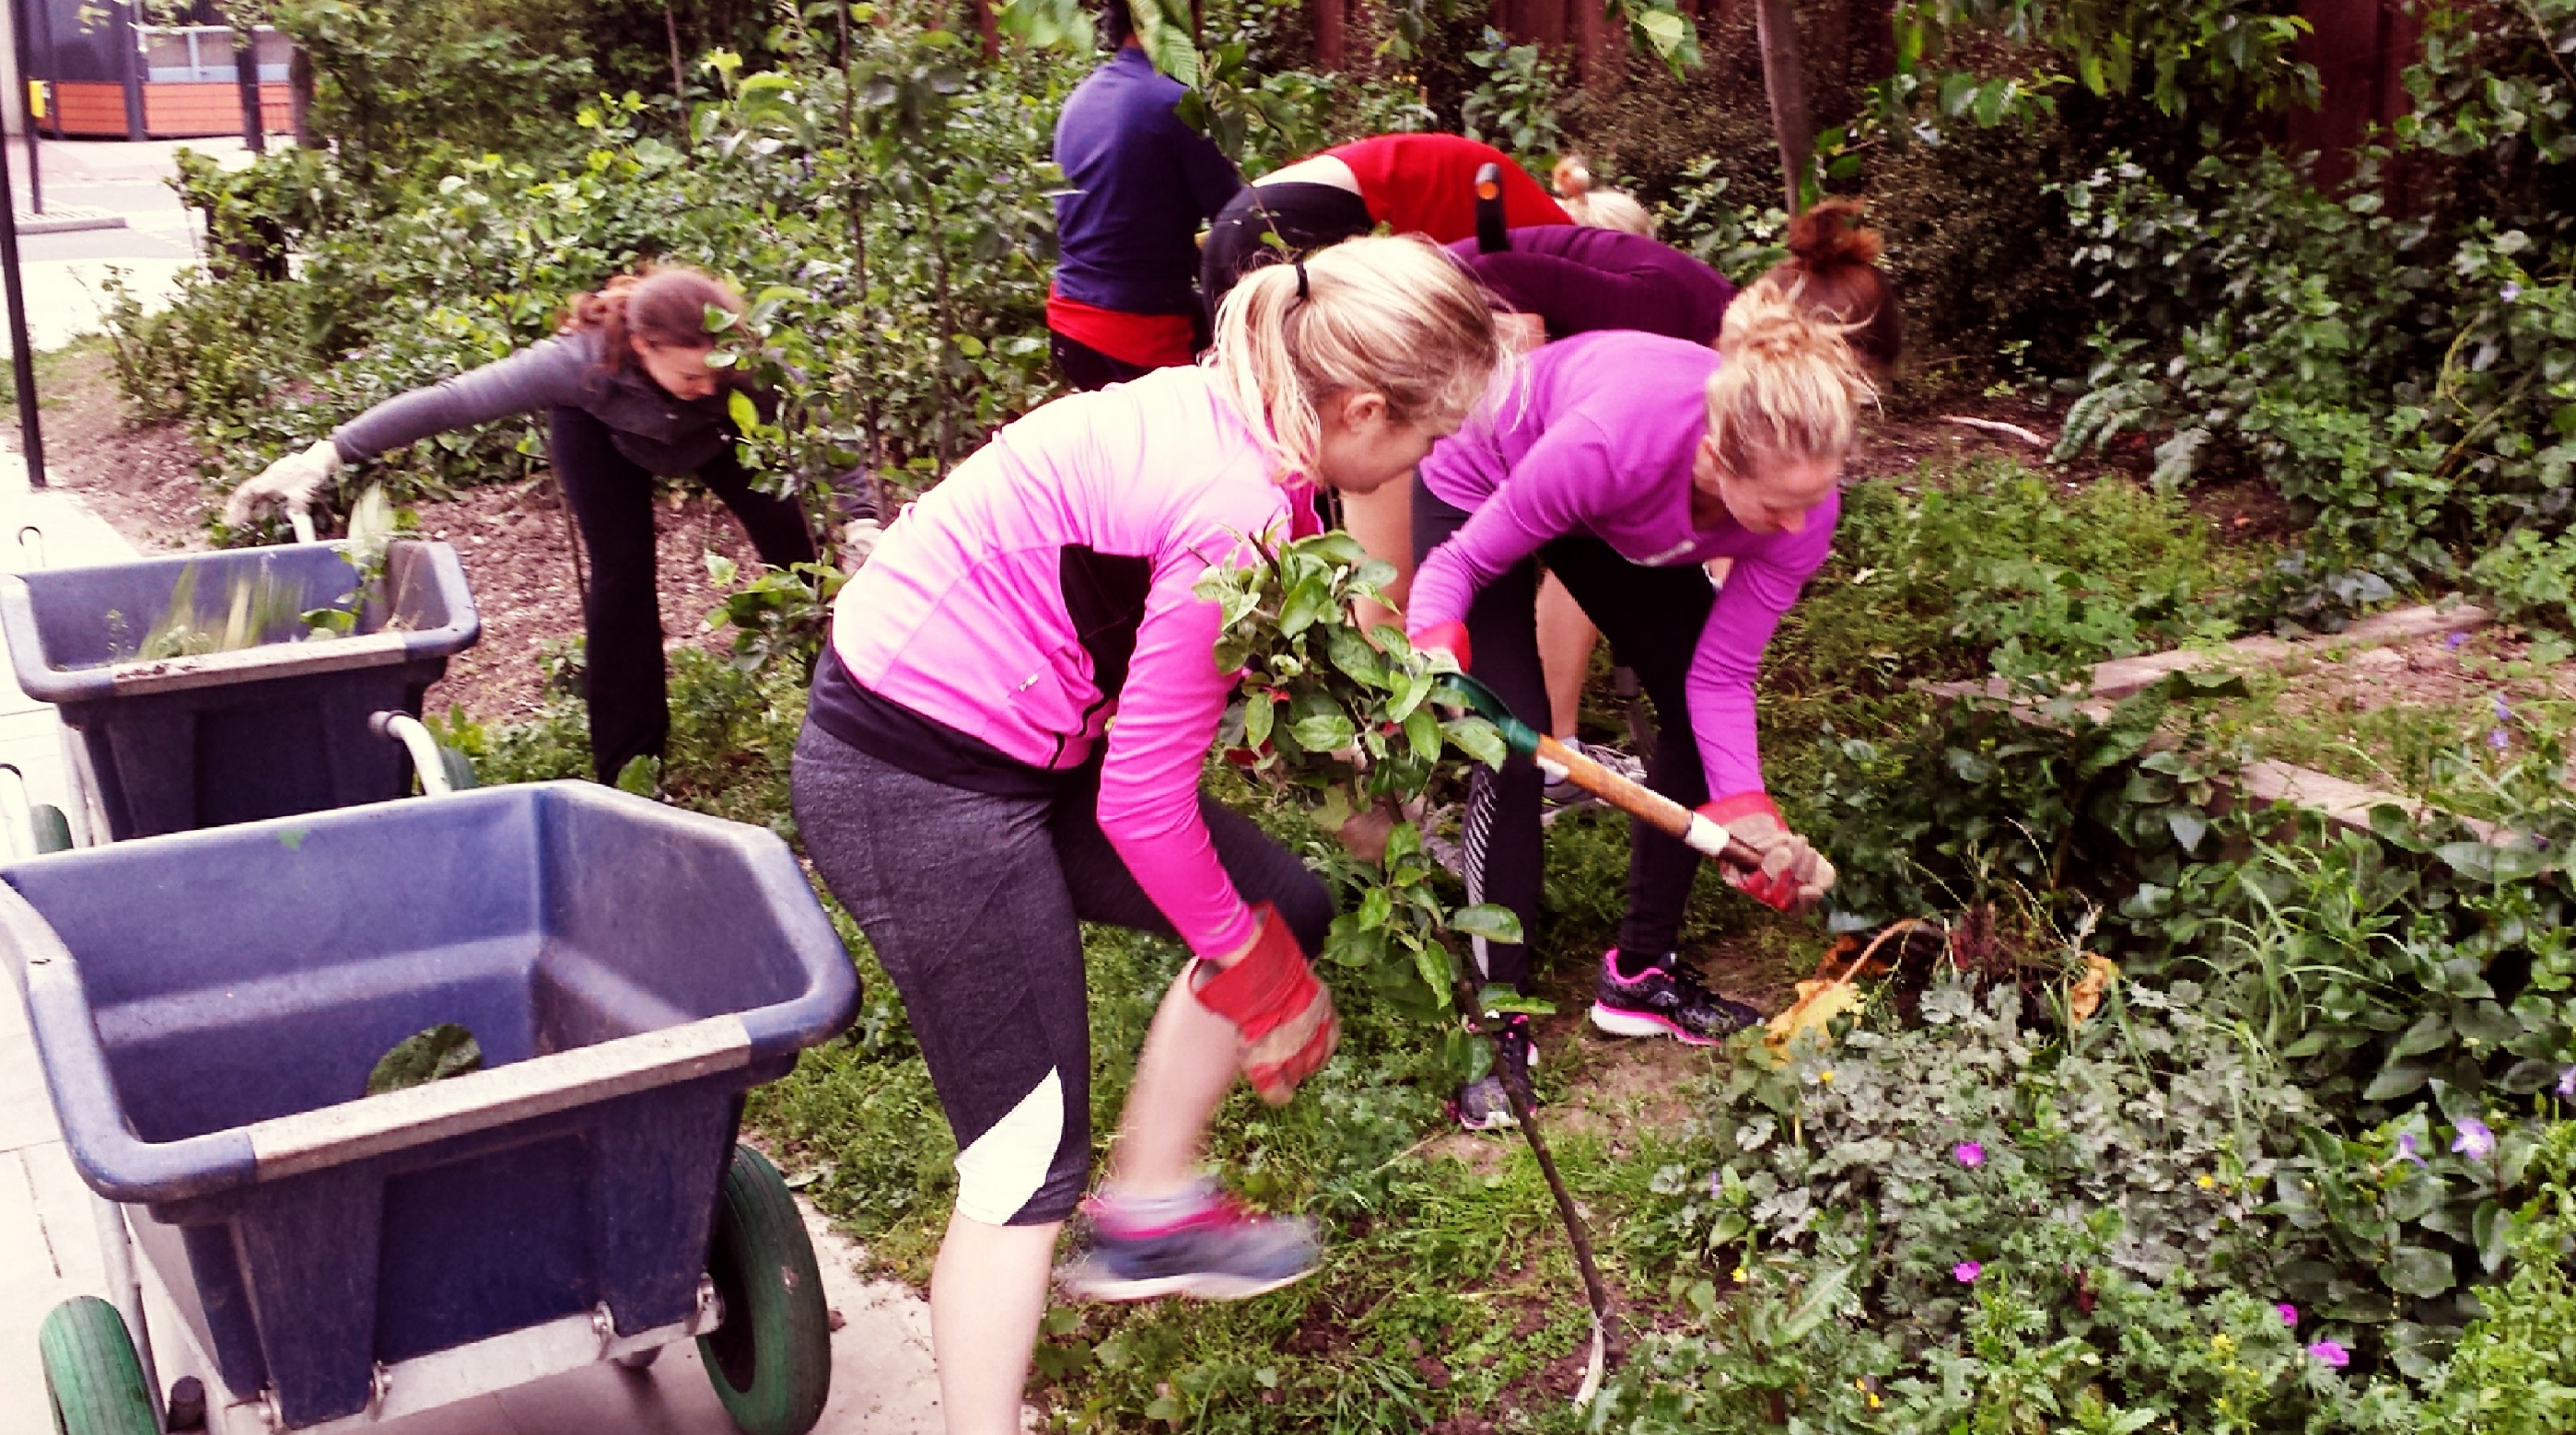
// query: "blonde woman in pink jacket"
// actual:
[[965, 792]]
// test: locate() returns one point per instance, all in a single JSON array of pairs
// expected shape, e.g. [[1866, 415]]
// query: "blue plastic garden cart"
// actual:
[[178, 743], [207, 1007]]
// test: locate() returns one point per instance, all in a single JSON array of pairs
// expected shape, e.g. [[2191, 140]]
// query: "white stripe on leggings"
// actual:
[[999, 1170]]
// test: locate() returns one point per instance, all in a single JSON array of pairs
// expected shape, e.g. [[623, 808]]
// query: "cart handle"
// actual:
[[480, 1100], [416, 739]]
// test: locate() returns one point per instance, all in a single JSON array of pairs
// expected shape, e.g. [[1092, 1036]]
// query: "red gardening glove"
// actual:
[[1272, 997], [1449, 637], [1781, 870]]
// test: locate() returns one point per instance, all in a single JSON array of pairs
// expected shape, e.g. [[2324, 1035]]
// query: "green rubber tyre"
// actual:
[[53, 830], [771, 1360], [459, 769], [91, 1373]]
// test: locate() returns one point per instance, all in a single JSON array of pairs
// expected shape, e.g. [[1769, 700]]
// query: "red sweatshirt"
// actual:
[[1426, 184]]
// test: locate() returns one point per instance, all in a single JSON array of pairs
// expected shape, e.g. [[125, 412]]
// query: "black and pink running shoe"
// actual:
[[1657, 996], [1219, 1252]]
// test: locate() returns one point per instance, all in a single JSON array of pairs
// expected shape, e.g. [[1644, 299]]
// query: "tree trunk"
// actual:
[[679, 72], [299, 98], [1776, 21], [1326, 18]]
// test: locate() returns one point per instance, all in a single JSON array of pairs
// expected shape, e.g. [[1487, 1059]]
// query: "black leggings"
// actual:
[[612, 500], [1653, 618], [974, 903], [1305, 217]]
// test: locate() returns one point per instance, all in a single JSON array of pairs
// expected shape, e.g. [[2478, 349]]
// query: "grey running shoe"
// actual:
[[1219, 1252], [1646, 996], [1561, 791], [1482, 1104]]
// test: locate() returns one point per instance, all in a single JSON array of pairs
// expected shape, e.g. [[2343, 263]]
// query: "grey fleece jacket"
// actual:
[[662, 434]]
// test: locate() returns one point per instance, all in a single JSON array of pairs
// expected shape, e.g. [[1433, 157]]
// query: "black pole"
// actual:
[[22, 352], [27, 104], [129, 68], [246, 75]]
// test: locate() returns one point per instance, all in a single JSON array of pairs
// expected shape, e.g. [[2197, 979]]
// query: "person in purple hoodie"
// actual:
[[1138, 183], [1624, 461]]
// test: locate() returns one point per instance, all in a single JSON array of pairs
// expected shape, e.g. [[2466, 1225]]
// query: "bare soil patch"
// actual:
[[143, 479], [2388, 715]]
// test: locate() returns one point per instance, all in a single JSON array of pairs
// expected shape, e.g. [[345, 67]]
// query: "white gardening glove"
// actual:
[[291, 483], [858, 540]]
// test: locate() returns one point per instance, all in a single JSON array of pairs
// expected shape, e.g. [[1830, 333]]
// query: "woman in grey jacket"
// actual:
[[628, 394]]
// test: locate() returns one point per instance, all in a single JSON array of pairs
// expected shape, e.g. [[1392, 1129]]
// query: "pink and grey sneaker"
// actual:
[[1657, 996], [1215, 1251]]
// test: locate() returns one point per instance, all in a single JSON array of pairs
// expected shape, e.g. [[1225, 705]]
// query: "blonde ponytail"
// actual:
[[1598, 208], [1790, 385], [1390, 314]]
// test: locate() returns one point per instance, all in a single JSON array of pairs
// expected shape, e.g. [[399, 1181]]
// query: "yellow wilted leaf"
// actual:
[[2085, 997], [1819, 1002]]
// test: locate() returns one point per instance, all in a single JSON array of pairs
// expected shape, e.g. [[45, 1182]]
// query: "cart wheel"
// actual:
[[53, 830], [91, 1371], [771, 1360], [640, 1359]]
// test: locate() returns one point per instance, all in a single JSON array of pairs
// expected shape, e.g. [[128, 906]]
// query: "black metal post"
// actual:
[[129, 67], [22, 350], [246, 75], [27, 105]]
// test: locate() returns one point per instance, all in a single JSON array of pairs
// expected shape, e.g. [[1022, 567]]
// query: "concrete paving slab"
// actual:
[[69, 1213], [26, 1113]]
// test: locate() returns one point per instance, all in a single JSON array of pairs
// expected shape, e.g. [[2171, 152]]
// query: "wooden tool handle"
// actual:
[[1703, 835]]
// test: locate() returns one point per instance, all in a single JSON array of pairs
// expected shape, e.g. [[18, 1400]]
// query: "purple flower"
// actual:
[[2499, 739], [2289, 1314], [2406, 1148], [2455, 640], [2332, 1353], [2567, 1082], [1970, 1154], [1967, 1271], [2475, 1141], [2510, 292], [2503, 709]]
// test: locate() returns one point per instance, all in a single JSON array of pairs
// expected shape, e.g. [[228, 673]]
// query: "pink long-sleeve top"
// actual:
[[1048, 585], [1598, 438]]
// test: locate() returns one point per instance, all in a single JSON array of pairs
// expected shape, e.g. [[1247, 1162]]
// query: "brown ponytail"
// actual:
[[1832, 271], [665, 305]]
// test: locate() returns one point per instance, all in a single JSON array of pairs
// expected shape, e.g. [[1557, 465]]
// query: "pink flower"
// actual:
[[1967, 1271], [2332, 1353], [2289, 1314], [1970, 1154]]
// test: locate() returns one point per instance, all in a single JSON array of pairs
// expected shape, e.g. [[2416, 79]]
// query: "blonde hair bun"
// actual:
[[1789, 385], [1598, 208]]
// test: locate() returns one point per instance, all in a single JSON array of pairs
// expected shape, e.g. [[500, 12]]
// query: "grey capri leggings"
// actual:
[[973, 903]]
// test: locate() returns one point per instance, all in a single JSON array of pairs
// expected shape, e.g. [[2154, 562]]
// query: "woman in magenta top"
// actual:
[[1005, 740], [1624, 461]]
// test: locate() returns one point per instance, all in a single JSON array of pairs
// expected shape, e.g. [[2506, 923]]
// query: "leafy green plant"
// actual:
[[1344, 726], [1513, 106]]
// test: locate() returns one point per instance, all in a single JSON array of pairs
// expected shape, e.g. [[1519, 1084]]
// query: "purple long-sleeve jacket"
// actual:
[[1597, 438], [1579, 279]]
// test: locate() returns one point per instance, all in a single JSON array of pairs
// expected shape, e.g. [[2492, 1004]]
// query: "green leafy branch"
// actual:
[[1341, 726]]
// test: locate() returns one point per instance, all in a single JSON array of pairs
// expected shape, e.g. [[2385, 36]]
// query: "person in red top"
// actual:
[[1412, 183]]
